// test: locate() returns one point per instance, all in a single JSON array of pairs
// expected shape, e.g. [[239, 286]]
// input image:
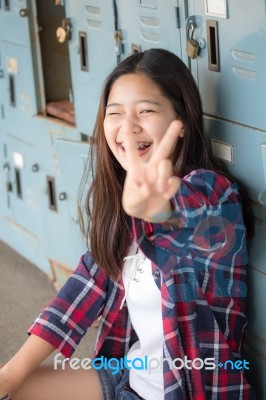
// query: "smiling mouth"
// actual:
[[141, 146]]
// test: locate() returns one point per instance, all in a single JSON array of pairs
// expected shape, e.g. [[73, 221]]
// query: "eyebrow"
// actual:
[[152, 102]]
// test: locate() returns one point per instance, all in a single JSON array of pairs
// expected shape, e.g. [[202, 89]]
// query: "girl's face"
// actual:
[[136, 107]]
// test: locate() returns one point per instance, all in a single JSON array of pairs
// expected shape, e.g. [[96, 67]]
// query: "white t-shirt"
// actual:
[[143, 299]]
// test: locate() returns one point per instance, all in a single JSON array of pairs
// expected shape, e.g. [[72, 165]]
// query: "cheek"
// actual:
[[160, 129], [105, 128], [107, 133], [158, 132]]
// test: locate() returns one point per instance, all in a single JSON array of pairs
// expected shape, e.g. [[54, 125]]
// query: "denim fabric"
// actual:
[[114, 387]]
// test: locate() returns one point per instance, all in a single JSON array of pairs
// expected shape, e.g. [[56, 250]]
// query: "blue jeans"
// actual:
[[116, 386]]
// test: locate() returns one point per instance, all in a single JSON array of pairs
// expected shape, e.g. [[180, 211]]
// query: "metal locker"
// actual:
[[231, 78], [240, 55]]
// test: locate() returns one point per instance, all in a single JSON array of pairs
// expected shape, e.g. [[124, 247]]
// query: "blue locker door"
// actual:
[[5, 178], [92, 55], [72, 157], [21, 202], [14, 22], [148, 24], [18, 100], [240, 55]]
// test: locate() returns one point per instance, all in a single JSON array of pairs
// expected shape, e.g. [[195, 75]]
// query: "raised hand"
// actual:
[[149, 184]]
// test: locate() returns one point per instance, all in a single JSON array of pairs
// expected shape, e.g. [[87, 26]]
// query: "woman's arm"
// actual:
[[25, 361]]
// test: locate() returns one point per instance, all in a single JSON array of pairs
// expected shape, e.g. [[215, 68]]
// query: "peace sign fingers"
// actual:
[[149, 183], [168, 142]]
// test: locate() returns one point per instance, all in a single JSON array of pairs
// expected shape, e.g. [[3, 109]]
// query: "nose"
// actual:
[[130, 125]]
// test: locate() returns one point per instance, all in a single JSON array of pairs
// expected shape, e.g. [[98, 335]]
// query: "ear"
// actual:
[[182, 131]]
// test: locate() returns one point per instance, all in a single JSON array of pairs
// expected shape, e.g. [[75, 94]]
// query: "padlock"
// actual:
[[192, 48], [192, 45]]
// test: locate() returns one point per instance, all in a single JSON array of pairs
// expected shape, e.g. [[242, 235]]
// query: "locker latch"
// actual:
[[24, 12], [6, 167]]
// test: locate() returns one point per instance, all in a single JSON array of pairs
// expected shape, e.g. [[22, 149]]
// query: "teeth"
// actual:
[[143, 145], [140, 145]]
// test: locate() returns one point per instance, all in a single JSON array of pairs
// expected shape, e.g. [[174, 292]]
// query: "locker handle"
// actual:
[[6, 5], [84, 64], [18, 183], [12, 96], [213, 46], [51, 193]]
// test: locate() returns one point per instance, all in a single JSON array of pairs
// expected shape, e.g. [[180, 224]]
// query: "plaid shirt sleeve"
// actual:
[[66, 319], [206, 212]]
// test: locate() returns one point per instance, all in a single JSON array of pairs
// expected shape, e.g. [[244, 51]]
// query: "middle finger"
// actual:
[[168, 142]]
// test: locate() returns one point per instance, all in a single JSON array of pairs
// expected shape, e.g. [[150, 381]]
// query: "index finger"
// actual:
[[131, 151], [168, 141]]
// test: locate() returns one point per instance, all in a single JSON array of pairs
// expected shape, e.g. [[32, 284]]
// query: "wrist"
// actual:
[[5, 387], [165, 214], [10, 381]]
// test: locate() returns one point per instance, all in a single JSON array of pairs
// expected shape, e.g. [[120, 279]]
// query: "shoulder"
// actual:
[[212, 186], [89, 269]]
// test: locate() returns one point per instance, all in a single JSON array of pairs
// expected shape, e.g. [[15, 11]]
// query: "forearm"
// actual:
[[25, 361]]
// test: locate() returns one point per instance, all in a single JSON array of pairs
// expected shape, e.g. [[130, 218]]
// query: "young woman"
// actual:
[[166, 267]]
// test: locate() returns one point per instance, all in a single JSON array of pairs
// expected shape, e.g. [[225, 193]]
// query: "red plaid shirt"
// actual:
[[198, 258]]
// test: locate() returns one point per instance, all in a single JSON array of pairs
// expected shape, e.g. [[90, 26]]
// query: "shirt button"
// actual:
[[156, 273]]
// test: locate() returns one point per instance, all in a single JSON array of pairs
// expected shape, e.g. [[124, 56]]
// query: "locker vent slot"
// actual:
[[213, 46], [245, 73], [18, 183], [51, 193], [12, 90], [150, 36], [84, 65], [94, 17], [93, 10], [148, 21], [148, 3]]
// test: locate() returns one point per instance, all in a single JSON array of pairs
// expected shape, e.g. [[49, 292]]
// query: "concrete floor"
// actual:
[[24, 291]]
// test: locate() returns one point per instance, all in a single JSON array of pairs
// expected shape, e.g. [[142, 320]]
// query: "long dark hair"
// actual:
[[109, 226]]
